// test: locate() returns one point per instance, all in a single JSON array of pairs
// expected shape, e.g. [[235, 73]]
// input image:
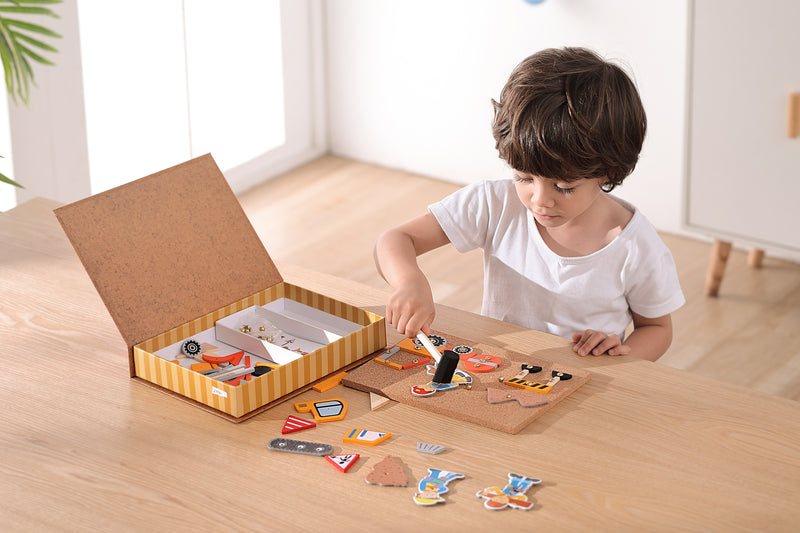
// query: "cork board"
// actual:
[[472, 405]]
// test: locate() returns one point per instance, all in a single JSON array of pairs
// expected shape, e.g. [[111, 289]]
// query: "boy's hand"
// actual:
[[592, 342], [410, 309]]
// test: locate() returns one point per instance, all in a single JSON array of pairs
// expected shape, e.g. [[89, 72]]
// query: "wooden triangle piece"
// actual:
[[343, 462], [376, 401], [294, 423]]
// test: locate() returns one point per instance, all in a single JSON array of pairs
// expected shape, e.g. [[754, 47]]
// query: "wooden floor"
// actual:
[[327, 214]]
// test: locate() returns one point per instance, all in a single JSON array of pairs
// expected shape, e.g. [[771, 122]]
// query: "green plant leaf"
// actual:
[[28, 10], [36, 28], [36, 57], [8, 180], [13, 53], [35, 42], [16, 82], [18, 2]]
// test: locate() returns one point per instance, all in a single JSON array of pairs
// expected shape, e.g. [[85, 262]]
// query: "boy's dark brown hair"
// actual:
[[568, 114]]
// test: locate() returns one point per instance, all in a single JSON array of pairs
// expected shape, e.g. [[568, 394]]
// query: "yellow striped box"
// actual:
[[249, 396]]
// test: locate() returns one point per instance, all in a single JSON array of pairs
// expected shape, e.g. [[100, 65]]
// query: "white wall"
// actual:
[[410, 83]]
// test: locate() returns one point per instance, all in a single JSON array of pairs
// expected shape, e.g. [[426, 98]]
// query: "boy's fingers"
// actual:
[[622, 349], [589, 339], [400, 324], [607, 344]]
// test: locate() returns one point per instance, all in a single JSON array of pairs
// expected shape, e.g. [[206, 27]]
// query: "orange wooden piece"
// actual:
[[225, 358], [329, 383]]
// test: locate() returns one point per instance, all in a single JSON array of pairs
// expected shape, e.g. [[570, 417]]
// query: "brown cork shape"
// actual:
[[473, 405], [388, 472], [167, 248]]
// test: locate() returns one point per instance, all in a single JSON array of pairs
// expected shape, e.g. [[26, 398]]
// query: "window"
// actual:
[[197, 78], [142, 87]]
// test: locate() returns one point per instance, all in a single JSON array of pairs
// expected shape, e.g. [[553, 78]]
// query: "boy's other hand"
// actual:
[[592, 342]]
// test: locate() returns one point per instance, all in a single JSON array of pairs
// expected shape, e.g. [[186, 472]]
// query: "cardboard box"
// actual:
[[173, 253]]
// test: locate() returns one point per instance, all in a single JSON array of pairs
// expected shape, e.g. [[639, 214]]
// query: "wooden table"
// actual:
[[641, 447]]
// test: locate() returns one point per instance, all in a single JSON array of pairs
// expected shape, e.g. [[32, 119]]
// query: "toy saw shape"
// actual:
[[299, 446]]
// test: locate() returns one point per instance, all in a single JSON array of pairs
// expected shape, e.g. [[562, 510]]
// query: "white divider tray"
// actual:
[[301, 329]]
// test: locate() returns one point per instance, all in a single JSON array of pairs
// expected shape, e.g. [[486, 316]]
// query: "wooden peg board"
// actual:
[[472, 405]]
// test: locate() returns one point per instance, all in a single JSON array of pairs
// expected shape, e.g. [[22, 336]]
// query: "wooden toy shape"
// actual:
[[430, 346], [234, 358], [260, 370], [229, 373], [432, 486], [529, 385], [558, 376], [296, 424], [459, 378], [419, 359], [191, 348], [324, 410], [512, 495], [520, 381], [329, 383], [299, 446], [495, 395], [388, 472], [343, 462], [366, 436], [209, 348], [376, 401], [480, 363], [432, 449]]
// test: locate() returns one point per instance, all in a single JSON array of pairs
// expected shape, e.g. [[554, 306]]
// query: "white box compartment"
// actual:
[[303, 329]]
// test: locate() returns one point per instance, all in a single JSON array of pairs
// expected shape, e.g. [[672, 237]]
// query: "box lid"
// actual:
[[168, 248]]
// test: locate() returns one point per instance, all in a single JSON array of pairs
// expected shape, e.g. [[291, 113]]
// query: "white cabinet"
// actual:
[[743, 169]]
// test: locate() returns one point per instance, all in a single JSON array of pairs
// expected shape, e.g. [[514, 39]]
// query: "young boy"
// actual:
[[561, 255]]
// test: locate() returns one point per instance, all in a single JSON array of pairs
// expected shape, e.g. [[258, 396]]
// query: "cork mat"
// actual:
[[509, 414]]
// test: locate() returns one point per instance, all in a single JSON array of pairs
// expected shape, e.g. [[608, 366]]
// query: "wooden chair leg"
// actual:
[[720, 250], [755, 258]]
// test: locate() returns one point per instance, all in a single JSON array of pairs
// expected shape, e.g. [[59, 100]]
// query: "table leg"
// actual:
[[755, 258], [720, 250]]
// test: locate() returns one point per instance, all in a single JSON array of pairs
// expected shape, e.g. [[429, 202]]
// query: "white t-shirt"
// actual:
[[526, 283]]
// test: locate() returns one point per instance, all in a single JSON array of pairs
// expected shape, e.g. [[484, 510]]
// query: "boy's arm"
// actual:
[[410, 308], [650, 337], [649, 340]]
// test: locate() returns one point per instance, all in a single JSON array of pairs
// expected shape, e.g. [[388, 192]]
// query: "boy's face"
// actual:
[[555, 203]]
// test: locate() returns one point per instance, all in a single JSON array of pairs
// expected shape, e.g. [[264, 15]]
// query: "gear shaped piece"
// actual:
[[191, 347], [436, 340]]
